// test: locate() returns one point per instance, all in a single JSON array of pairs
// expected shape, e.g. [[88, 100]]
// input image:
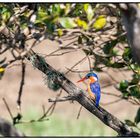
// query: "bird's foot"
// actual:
[[92, 96]]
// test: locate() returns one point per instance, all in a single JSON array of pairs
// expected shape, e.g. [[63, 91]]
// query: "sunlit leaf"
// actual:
[[89, 11], [67, 22], [82, 23], [2, 70], [67, 9], [60, 32], [100, 22]]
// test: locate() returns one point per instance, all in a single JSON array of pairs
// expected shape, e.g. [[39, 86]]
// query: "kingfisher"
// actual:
[[93, 87]]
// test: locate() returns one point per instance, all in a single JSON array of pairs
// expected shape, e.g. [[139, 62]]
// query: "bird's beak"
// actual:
[[81, 80]]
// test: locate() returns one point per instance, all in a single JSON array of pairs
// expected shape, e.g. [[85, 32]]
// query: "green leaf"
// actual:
[[137, 118], [127, 54], [135, 91], [130, 123], [5, 13], [126, 94], [41, 12], [108, 47], [118, 65], [89, 11], [57, 10], [123, 85], [135, 80], [67, 22]]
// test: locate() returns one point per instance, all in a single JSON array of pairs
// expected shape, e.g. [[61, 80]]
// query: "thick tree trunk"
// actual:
[[131, 21]]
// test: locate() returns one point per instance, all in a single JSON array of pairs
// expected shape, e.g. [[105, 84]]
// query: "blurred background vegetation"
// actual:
[[58, 125], [94, 30]]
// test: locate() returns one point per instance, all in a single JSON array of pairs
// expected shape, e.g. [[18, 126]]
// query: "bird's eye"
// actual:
[[88, 76]]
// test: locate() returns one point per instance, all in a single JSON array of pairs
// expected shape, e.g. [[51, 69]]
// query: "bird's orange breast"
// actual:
[[92, 95], [92, 80]]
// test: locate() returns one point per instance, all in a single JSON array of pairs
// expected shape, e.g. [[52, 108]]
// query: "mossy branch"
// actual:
[[80, 96]]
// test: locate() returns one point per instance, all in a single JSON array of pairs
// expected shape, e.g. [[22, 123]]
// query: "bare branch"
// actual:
[[21, 84], [76, 64], [7, 106], [79, 112], [68, 98], [112, 102]]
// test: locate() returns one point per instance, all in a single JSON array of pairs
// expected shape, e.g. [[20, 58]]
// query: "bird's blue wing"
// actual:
[[95, 88]]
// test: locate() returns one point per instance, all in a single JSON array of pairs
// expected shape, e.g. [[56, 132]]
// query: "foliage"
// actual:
[[98, 29]]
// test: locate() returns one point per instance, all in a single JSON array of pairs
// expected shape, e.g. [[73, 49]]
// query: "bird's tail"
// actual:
[[97, 100]]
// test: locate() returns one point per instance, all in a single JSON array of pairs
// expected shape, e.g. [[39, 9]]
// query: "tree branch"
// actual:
[[21, 84], [80, 96], [68, 98]]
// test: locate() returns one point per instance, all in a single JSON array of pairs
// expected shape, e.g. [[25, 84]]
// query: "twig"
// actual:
[[111, 76], [79, 112], [7, 106], [14, 65], [129, 99], [52, 52], [107, 85], [59, 54], [90, 67], [54, 104], [76, 64], [50, 109], [109, 103], [7, 48], [67, 98], [10, 62], [21, 84], [107, 93], [33, 121], [77, 71]]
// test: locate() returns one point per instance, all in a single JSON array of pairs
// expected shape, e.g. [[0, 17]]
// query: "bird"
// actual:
[[93, 89]]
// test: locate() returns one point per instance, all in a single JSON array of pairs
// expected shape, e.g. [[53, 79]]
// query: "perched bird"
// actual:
[[93, 87]]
